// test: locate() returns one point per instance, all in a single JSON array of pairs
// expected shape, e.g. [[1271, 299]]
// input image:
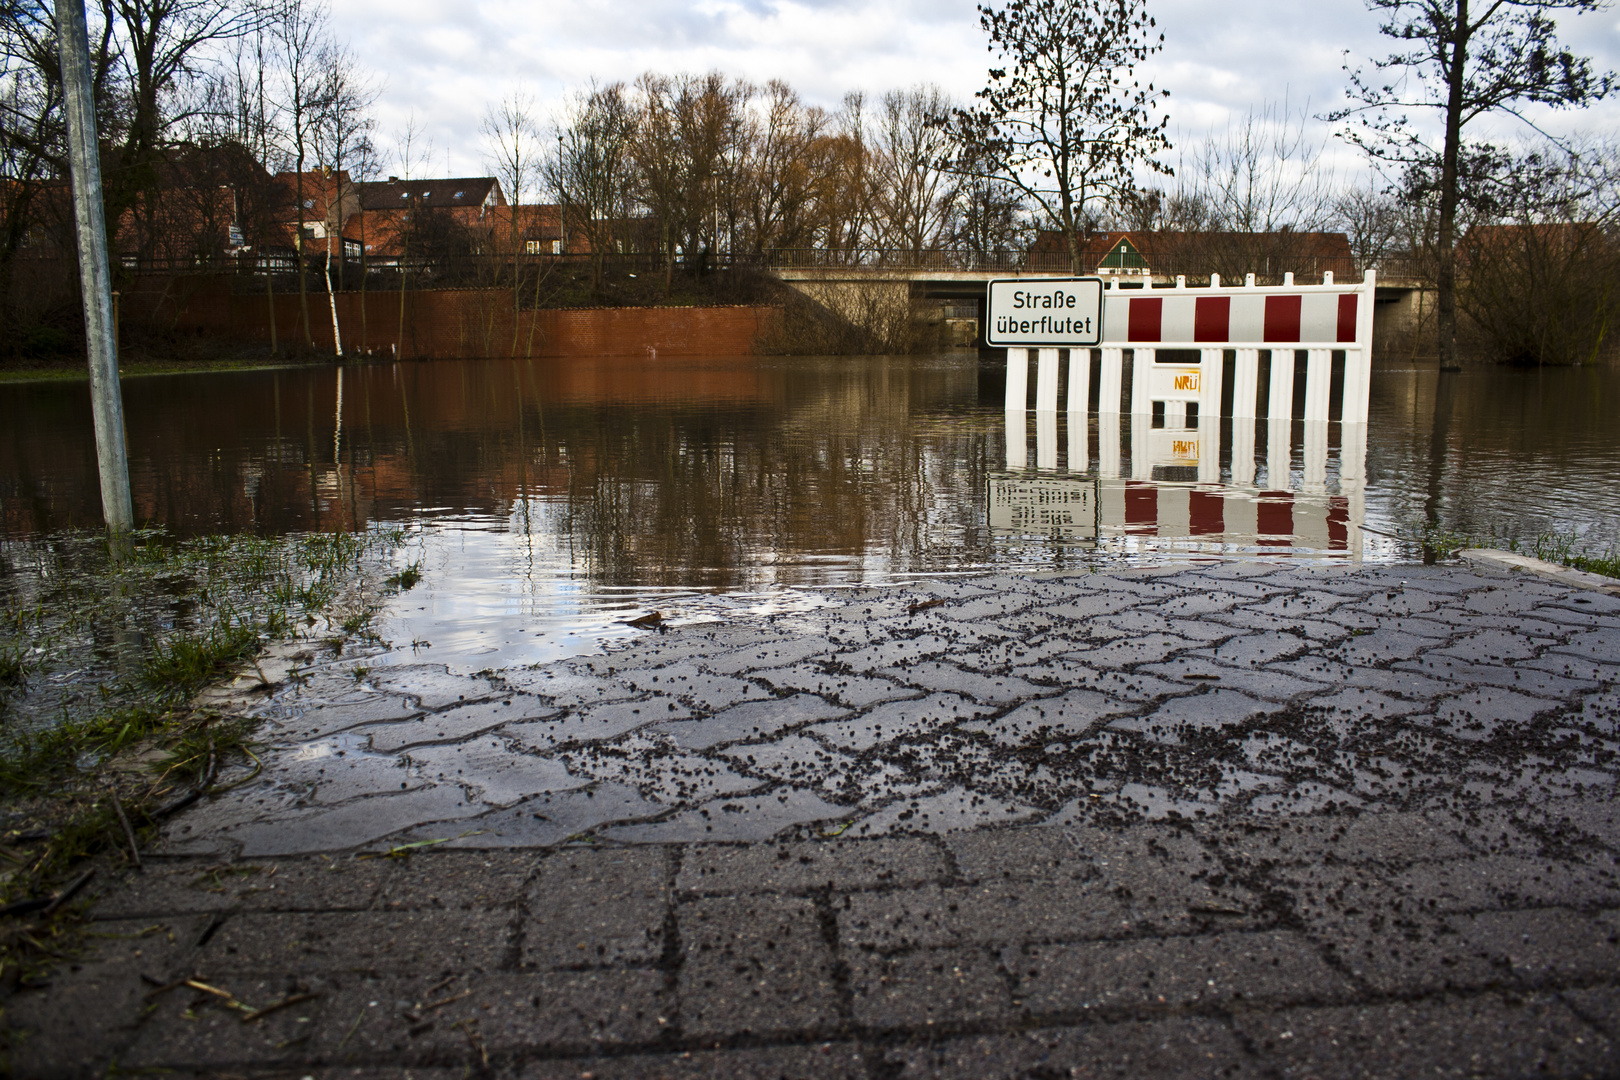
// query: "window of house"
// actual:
[[309, 204], [532, 247], [459, 194], [556, 247]]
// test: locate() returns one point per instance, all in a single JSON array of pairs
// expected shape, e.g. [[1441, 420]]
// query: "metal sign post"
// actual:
[[95, 278]]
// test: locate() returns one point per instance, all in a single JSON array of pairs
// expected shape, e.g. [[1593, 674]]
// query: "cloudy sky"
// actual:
[[446, 61]]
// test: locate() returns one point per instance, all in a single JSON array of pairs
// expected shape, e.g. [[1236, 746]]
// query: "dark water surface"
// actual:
[[549, 500]]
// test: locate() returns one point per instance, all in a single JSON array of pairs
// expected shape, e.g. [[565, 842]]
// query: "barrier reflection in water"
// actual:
[[1191, 484]]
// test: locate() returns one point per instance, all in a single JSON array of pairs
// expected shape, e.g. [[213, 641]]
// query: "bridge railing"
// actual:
[[1268, 269]]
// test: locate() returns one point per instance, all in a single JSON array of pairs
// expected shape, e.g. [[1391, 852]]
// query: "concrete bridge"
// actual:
[[855, 285]]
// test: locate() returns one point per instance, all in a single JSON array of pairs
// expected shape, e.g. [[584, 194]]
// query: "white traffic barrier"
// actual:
[[1281, 320]]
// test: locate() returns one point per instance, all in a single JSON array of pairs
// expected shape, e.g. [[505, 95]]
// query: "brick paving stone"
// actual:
[[349, 825], [769, 651], [694, 687], [986, 689], [1074, 712], [1486, 1036], [541, 822], [567, 687], [1132, 650], [184, 886], [952, 810], [733, 817], [1396, 838], [90, 1008], [1501, 881], [454, 725], [1597, 1005], [927, 987], [597, 723], [1378, 646], [988, 914], [1200, 668], [822, 1061], [323, 720], [404, 942], [1523, 679], [1136, 623], [432, 685], [1317, 631], [1188, 1048], [754, 965], [1175, 721], [751, 721], [585, 907], [436, 879], [897, 720], [1543, 945], [498, 774], [854, 691], [1310, 828], [806, 866], [1082, 609], [1273, 967], [1591, 820]]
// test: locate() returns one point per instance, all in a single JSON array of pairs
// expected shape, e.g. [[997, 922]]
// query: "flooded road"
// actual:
[[548, 501]]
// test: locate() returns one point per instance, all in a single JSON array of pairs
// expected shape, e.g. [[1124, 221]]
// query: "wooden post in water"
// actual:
[[95, 276]]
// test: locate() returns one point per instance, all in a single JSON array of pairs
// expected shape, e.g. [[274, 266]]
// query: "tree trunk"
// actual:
[[270, 299], [298, 243], [337, 334], [1446, 283]]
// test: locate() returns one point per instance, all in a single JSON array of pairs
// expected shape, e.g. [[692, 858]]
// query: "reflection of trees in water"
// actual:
[[691, 497], [1493, 451]]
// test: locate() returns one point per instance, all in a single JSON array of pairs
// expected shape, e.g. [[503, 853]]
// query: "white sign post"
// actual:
[[1043, 313]]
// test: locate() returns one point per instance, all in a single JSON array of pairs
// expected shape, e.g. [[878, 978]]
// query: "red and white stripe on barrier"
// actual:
[[1249, 319]]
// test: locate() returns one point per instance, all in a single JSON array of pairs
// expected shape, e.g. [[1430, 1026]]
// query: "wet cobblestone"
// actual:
[[1237, 820]]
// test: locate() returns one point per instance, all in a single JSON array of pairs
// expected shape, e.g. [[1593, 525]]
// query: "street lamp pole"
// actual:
[[95, 276]]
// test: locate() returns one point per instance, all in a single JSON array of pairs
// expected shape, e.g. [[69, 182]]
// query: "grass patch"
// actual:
[[1561, 546], [102, 655]]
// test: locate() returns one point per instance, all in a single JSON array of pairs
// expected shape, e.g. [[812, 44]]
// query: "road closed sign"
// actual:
[[1052, 313]]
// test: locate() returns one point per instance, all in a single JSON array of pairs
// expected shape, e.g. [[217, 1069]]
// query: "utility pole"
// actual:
[[95, 277]]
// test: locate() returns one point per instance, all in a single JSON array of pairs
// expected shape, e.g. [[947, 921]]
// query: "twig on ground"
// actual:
[[68, 892], [293, 999], [129, 833]]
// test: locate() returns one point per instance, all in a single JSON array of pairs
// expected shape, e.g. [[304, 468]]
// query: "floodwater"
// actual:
[[549, 501]]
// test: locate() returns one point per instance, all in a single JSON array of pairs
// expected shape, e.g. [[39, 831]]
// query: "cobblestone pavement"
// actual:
[[1229, 820]]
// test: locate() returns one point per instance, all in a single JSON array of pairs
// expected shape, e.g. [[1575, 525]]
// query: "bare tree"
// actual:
[[512, 144], [1461, 64], [990, 217], [776, 183], [301, 34], [590, 172], [411, 150], [1371, 219], [1262, 174], [1065, 118], [912, 191], [341, 133], [1538, 283]]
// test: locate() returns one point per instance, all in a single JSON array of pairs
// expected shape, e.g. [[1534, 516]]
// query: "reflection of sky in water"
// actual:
[[549, 502]]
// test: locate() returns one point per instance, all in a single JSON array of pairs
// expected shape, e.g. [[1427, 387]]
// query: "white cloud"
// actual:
[[446, 62]]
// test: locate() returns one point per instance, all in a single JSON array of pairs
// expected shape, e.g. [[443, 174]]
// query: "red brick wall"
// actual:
[[441, 322]]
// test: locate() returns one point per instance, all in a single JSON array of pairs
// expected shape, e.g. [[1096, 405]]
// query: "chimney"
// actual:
[[393, 179]]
